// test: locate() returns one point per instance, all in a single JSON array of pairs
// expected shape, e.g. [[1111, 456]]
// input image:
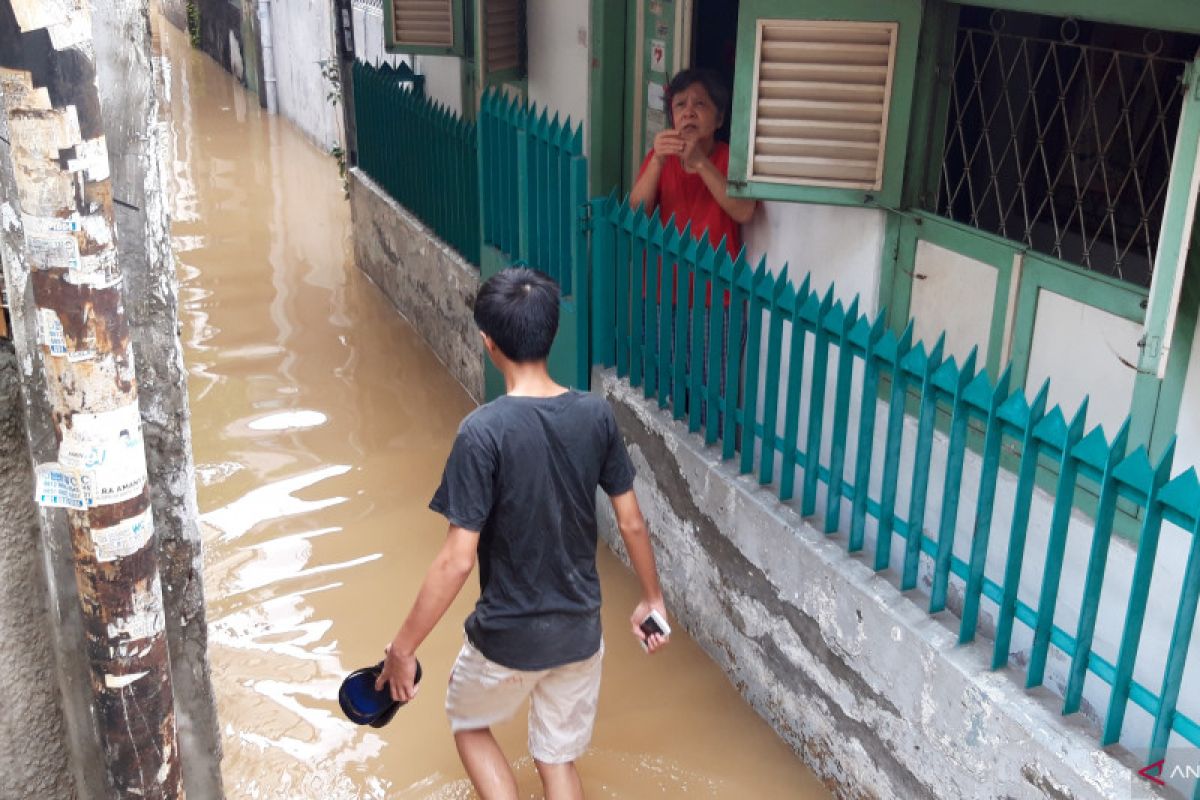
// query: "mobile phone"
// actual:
[[652, 624]]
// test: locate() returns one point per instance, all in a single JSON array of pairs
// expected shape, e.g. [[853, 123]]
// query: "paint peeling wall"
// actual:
[[426, 281], [137, 140], [302, 38], [874, 694], [34, 754]]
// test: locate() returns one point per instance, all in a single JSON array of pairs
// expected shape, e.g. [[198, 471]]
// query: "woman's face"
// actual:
[[694, 114]]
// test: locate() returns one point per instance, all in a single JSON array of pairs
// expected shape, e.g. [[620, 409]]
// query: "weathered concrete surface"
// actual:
[[175, 11], [869, 690], [34, 757], [301, 38], [136, 142], [427, 282]]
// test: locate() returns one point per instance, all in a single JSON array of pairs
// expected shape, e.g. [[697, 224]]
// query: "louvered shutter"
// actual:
[[504, 36], [502, 41], [423, 26], [821, 97]]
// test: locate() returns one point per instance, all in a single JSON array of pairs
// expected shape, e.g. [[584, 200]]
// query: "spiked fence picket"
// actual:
[[653, 323], [421, 153], [534, 187]]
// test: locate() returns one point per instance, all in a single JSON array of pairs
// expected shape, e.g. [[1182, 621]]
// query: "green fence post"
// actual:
[[1184, 494], [841, 415], [957, 380], [782, 295], [1055, 431], [816, 403], [760, 295], [685, 276], [870, 335], [923, 366], [1025, 419], [894, 352], [1135, 613], [803, 310], [739, 296], [987, 494]]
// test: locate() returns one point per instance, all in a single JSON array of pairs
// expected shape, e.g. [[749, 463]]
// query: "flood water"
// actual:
[[321, 423]]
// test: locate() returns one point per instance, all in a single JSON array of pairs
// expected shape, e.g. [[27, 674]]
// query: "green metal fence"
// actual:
[[420, 152], [534, 187], [807, 357], [534, 203]]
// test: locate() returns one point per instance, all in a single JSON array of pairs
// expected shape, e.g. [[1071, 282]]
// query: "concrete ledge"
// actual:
[[425, 280], [868, 689]]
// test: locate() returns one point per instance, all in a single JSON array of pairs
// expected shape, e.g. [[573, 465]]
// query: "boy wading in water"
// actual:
[[519, 491]]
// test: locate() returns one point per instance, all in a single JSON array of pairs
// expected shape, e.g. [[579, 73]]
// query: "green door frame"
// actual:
[[606, 96]]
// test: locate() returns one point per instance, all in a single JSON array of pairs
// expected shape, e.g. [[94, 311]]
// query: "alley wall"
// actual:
[[34, 755]]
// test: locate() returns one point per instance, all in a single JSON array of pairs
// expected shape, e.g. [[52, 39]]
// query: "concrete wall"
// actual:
[[136, 137], [302, 37], [869, 690], [175, 11], [34, 754], [840, 246], [558, 40], [223, 35], [427, 282]]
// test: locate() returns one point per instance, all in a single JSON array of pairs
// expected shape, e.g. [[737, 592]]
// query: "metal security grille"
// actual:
[[1060, 135]]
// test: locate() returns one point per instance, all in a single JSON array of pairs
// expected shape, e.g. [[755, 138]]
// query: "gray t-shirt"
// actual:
[[523, 472]]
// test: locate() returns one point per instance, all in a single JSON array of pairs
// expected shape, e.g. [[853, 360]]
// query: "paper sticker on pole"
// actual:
[[60, 488], [124, 538], [146, 620], [107, 451]]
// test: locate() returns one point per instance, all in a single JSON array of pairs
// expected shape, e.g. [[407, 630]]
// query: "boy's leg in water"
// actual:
[[560, 781], [486, 765]]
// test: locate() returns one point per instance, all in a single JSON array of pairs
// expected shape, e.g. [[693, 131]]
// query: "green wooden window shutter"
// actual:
[[424, 27], [822, 100], [502, 48]]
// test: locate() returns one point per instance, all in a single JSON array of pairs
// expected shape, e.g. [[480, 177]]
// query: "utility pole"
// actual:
[[63, 271]]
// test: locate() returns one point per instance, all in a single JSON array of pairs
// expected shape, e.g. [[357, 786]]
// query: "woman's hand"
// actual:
[[668, 143]]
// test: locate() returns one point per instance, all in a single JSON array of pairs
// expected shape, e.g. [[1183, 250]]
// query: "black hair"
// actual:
[[518, 309], [710, 80]]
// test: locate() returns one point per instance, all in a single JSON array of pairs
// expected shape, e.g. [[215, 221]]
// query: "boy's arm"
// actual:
[[443, 581], [641, 555]]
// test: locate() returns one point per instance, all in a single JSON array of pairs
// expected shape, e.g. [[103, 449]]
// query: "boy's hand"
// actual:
[[655, 641], [399, 675]]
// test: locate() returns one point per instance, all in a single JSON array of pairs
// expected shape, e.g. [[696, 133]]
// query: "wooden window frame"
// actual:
[[458, 46], [897, 114]]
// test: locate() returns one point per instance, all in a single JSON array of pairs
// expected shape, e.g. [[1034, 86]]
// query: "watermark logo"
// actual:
[[1178, 768]]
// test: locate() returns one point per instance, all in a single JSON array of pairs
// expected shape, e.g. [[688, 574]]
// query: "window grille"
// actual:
[[1060, 135]]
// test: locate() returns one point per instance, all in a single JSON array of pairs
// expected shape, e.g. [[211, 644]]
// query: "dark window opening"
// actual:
[[714, 45], [1060, 135]]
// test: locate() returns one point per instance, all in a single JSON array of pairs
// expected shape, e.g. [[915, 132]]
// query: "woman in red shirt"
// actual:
[[685, 173]]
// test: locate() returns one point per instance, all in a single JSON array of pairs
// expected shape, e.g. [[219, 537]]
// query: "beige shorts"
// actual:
[[562, 701]]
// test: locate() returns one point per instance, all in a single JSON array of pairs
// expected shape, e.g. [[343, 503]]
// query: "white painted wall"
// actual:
[[558, 36], [840, 246], [1080, 349], [955, 294], [1187, 450], [302, 37]]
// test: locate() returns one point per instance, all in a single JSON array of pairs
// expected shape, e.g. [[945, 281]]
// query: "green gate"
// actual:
[[534, 210]]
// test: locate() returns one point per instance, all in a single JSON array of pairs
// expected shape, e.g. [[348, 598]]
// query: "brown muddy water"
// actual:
[[321, 423]]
